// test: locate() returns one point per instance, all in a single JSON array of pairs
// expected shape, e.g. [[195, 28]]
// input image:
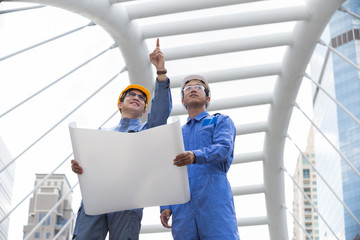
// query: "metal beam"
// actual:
[[246, 190], [161, 7], [233, 74], [228, 103], [254, 127], [248, 157], [252, 221], [228, 46], [227, 21], [241, 222]]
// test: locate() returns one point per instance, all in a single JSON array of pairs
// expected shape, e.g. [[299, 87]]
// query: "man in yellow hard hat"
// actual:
[[132, 104]]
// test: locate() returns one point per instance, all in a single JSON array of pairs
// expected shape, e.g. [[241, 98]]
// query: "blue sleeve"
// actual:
[[222, 147], [165, 207], [161, 104]]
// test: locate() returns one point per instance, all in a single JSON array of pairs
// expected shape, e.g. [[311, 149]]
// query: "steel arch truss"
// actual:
[[132, 23]]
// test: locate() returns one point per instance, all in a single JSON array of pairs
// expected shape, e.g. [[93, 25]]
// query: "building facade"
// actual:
[[305, 176], [44, 199], [6, 188], [342, 81], [345, 38]]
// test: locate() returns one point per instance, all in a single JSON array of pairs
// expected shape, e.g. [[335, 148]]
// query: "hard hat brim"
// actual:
[[137, 87]]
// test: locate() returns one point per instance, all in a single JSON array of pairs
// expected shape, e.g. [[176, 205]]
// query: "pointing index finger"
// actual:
[[158, 43]]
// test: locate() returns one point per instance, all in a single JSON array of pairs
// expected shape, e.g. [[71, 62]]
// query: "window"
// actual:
[[48, 235], [37, 235], [339, 40], [306, 173], [357, 34], [47, 221], [345, 38], [60, 220], [350, 35]]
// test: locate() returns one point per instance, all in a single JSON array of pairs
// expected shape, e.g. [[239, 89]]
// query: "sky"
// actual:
[[26, 73]]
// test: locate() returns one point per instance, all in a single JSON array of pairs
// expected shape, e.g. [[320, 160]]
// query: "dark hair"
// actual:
[[131, 89]]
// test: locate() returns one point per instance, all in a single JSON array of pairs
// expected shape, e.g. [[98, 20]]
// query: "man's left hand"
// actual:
[[185, 158]]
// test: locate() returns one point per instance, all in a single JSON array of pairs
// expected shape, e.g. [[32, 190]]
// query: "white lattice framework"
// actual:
[[132, 23]]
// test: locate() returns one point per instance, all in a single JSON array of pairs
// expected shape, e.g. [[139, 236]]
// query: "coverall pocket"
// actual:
[[206, 135]]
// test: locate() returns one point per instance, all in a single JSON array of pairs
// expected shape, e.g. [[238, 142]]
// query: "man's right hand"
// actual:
[[164, 217], [75, 167], [157, 57], [158, 60]]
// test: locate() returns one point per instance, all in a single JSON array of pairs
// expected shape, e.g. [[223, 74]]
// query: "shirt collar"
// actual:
[[198, 117], [130, 121]]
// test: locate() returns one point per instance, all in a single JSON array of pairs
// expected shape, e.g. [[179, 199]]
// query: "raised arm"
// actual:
[[158, 60], [161, 104]]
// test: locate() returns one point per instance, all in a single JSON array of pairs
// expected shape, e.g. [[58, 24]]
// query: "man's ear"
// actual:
[[120, 105], [207, 99], [182, 101]]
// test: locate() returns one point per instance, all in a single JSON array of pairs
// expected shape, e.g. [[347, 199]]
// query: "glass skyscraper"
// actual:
[[341, 80]]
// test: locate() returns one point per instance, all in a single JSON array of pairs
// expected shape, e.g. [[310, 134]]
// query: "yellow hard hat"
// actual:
[[135, 87]]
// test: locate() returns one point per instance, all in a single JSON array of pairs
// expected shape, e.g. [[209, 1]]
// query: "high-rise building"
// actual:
[[44, 199], [328, 161], [6, 188], [341, 80], [305, 177], [345, 36]]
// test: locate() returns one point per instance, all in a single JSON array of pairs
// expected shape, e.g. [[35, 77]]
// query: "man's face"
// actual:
[[134, 103], [194, 94]]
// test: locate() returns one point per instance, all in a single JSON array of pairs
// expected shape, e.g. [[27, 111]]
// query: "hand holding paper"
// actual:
[[130, 170]]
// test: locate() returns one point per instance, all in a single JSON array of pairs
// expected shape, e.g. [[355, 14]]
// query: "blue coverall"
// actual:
[[125, 225], [210, 214]]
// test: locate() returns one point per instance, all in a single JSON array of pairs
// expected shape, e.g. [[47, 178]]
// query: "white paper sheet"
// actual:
[[130, 170]]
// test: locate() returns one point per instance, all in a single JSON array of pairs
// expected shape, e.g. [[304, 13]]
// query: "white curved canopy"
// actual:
[[212, 38]]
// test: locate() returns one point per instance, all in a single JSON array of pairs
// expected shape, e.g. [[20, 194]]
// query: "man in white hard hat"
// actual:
[[132, 104], [209, 149]]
